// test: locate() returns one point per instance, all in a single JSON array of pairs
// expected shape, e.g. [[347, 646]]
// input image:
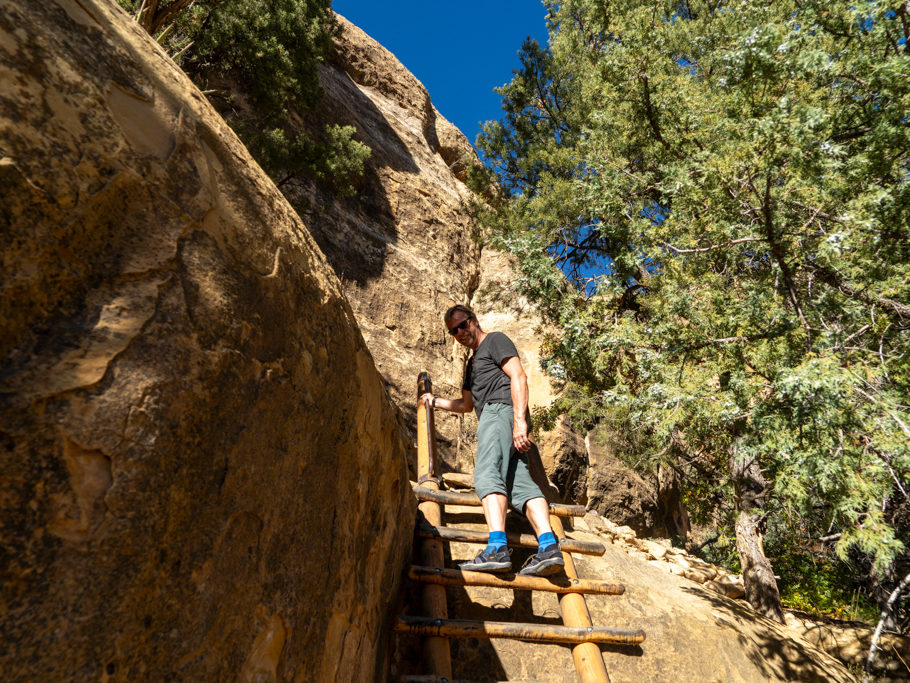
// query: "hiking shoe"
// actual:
[[499, 561], [548, 561]]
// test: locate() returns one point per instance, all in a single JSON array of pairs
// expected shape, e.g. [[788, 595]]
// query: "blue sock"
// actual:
[[496, 541], [545, 541]]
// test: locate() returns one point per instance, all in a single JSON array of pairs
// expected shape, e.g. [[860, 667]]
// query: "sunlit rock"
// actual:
[[203, 477]]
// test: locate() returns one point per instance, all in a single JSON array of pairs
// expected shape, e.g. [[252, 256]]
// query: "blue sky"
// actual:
[[459, 50]]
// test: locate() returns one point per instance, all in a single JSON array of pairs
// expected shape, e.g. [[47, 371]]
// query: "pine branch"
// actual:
[[701, 250], [729, 340], [834, 279], [166, 15], [778, 252], [652, 118]]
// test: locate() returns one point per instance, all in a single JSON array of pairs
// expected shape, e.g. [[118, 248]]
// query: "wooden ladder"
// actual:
[[436, 628]]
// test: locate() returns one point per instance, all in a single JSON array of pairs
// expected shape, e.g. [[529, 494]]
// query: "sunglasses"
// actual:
[[463, 325]]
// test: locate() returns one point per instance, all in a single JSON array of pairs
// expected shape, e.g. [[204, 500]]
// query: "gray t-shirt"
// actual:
[[484, 376]]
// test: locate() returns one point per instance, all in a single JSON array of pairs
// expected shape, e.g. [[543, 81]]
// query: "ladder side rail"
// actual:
[[589, 662], [436, 650]]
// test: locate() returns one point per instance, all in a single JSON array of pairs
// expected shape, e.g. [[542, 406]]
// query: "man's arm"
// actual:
[[518, 384], [465, 404]]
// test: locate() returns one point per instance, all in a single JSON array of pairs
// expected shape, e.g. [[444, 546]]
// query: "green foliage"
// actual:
[[337, 159], [814, 580], [344, 157], [820, 586], [270, 47], [257, 59], [711, 203], [721, 551]]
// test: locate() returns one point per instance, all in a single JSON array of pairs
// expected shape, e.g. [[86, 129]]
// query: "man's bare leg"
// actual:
[[494, 511], [537, 510]]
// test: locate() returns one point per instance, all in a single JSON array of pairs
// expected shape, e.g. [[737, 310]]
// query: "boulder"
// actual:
[[565, 460], [729, 589], [850, 641], [203, 474], [654, 549], [616, 492], [700, 574]]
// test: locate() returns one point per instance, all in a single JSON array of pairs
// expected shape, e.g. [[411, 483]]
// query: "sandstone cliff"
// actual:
[[403, 246], [203, 477]]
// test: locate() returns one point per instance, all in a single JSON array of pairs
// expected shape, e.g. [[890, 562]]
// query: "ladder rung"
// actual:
[[569, 545], [540, 633], [470, 498], [426, 678], [552, 584]]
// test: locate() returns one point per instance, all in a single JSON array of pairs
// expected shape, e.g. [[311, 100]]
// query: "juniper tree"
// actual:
[[711, 202], [258, 62]]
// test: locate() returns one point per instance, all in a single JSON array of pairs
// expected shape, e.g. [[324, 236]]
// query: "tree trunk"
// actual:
[[881, 594], [761, 586], [673, 515], [887, 612]]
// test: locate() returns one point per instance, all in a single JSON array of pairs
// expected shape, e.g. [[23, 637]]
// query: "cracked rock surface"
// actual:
[[174, 349]]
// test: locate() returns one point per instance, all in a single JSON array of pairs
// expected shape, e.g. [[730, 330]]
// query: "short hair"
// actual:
[[458, 307]]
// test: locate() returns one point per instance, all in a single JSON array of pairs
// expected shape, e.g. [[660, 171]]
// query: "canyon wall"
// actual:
[[203, 476], [402, 246]]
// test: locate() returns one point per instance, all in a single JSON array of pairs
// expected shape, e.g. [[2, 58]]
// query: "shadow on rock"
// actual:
[[354, 233], [773, 652]]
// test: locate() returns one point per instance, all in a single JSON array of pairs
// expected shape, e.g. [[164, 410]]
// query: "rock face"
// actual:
[[403, 246], [203, 477], [627, 498]]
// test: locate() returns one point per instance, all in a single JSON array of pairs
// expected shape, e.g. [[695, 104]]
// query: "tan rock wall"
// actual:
[[402, 247], [202, 474]]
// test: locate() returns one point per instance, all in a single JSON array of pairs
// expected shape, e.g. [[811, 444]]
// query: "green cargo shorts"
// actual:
[[499, 468]]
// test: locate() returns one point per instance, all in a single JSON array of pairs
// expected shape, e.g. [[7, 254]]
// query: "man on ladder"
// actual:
[[496, 387]]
